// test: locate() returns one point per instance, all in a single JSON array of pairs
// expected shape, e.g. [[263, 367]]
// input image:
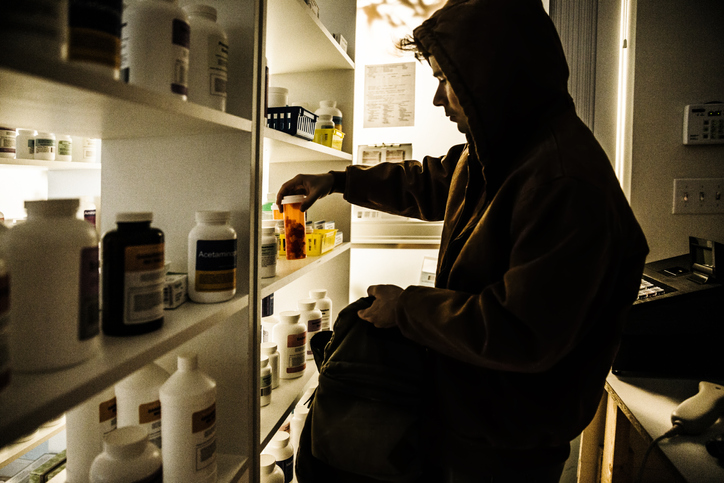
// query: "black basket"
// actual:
[[293, 120]]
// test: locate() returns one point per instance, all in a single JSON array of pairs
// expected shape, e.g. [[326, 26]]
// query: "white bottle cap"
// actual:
[[126, 442], [268, 348], [293, 199], [268, 462], [209, 216], [318, 294], [267, 230], [264, 360], [206, 11], [289, 316], [134, 216], [306, 304], [188, 362], [279, 440], [300, 411]]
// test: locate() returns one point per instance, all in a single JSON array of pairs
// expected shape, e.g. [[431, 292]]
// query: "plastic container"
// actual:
[[25, 144], [34, 29], [291, 339], [127, 457], [324, 305], [137, 397], [65, 148], [283, 453], [188, 400], [208, 58], [86, 425], [330, 108], [294, 120], [270, 472], [94, 35], [267, 325], [297, 424], [294, 227], [8, 142], [91, 150], [269, 349], [155, 50], [46, 146], [324, 121], [278, 97], [212, 258], [265, 381], [269, 251], [311, 317], [53, 259], [133, 276]]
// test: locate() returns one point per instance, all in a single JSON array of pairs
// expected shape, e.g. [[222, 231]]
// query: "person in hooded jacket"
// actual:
[[540, 257]]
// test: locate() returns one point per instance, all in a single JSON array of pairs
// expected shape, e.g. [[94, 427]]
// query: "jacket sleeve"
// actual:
[[411, 188]]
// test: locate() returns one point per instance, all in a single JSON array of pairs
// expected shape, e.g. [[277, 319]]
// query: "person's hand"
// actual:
[[314, 186], [382, 313]]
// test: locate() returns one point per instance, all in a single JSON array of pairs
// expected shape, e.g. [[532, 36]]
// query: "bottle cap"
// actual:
[[293, 199], [209, 216], [126, 441], [318, 293], [306, 304], [268, 348], [279, 440], [134, 216], [206, 11], [264, 360], [268, 463], [289, 316], [188, 361]]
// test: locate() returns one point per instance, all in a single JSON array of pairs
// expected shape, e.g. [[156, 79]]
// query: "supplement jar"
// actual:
[[138, 400], [127, 457], [324, 304], [269, 349], [281, 448], [8, 142], [330, 108], [265, 381], [291, 338], [208, 58], [133, 276], [25, 144], [65, 148], [53, 259], [294, 227], [269, 252], [45, 146], [212, 258], [311, 317]]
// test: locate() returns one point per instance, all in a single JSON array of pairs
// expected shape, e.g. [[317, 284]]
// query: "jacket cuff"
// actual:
[[340, 181]]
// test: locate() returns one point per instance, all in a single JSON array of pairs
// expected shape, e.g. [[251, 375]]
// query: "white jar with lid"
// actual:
[[291, 338], [324, 304], [278, 96], [269, 252], [25, 144], [128, 457], [270, 471], [45, 146], [311, 317], [53, 258], [269, 349], [212, 258], [265, 381], [281, 448], [208, 58], [330, 108], [65, 148], [8, 142]]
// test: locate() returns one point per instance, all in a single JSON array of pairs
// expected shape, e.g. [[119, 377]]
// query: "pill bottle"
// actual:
[[278, 96], [291, 339], [65, 148], [294, 227], [270, 472], [208, 58], [91, 151], [265, 381], [53, 259], [269, 250], [8, 142], [94, 35], [324, 304], [267, 325], [127, 457], [138, 400], [324, 122], [133, 276], [212, 258], [188, 433], [25, 144], [155, 47], [311, 317], [281, 449], [45, 146], [297, 424], [269, 349], [330, 108], [85, 427]]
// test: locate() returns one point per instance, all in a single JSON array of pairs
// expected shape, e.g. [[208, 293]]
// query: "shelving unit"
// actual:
[[172, 157]]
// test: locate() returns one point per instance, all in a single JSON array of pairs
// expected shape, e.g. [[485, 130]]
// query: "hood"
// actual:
[[505, 62]]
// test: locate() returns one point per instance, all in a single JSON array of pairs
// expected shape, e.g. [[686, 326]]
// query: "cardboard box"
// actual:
[[329, 137], [175, 290], [318, 242]]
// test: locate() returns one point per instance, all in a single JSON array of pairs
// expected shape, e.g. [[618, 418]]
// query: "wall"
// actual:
[[678, 61]]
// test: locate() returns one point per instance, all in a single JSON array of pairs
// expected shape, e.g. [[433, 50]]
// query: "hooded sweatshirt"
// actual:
[[540, 257]]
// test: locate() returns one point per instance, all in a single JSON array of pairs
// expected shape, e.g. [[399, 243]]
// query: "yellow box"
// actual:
[[329, 137], [320, 241]]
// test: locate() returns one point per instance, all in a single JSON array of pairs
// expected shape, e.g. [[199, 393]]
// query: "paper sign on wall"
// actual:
[[389, 95]]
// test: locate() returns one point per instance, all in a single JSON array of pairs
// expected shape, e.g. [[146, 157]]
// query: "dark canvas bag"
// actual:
[[366, 420]]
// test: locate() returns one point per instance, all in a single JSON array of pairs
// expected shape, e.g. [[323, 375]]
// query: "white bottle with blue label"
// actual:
[[212, 258]]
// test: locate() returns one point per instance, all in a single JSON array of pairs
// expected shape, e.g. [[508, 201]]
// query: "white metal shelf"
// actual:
[[50, 165], [281, 147], [32, 399], [296, 40]]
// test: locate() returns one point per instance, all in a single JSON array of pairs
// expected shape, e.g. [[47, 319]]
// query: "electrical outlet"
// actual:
[[698, 196]]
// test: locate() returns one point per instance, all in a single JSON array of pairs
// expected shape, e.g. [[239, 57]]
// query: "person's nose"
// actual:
[[440, 97]]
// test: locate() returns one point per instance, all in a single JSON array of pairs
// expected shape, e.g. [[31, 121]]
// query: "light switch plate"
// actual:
[[698, 196], [704, 124]]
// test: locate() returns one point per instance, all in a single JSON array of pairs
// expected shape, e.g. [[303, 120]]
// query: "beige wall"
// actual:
[[678, 47]]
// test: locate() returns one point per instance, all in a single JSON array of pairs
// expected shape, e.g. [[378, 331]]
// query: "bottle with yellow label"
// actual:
[[133, 276]]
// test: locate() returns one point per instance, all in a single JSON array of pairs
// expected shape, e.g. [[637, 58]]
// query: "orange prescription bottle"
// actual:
[[294, 227]]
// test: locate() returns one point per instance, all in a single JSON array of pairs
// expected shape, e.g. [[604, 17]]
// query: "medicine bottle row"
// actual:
[[31, 144]]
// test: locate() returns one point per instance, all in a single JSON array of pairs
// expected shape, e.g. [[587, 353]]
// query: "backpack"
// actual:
[[366, 419]]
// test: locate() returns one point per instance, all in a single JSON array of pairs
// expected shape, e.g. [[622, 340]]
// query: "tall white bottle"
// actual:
[[188, 432], [138, 400], [208, 58], [312, 319], [324, 304], [291, 338]]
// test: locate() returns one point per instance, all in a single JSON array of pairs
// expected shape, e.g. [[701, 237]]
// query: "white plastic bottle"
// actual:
[[297, 424], [283, 453], [291, 338], [188, 433], [53, 258], [8, 142], [212, 258], [269, 349], [90, 150], [267, 325], [330, 108], [324, 304], [269, 252], [86, 425], [311, 317], [45, 146], [138, 400], [155, 42], [208, 58], [65, 148], [25, 144], [270, 472], [128, 457], [265, 381]]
